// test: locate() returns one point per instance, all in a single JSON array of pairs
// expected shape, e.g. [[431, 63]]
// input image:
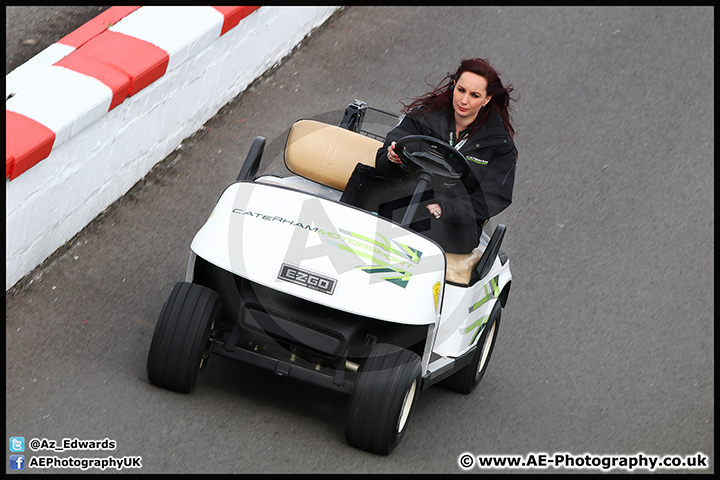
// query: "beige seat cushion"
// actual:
[[461, 266], [327, 154]]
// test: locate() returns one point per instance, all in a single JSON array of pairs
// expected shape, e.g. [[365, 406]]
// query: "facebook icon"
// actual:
[[17, 462]]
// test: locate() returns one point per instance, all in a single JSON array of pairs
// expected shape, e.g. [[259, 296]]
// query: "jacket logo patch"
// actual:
[[479, 161]]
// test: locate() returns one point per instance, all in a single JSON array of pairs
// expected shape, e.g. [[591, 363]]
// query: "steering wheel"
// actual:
[[438, 162], [434, 163]]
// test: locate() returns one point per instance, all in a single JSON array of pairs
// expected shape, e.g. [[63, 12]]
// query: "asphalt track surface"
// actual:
[[606, 344]]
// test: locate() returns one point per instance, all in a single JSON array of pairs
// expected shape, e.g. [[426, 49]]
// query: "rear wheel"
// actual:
[[181, 343], [467, 378], [387, 387]]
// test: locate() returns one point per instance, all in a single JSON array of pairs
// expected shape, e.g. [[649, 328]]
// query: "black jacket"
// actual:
[[491, 155]]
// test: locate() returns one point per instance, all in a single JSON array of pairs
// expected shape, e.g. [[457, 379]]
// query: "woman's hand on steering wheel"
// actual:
[[392, 156], [434, 209]]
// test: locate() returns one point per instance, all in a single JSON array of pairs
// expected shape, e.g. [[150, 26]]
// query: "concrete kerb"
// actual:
[[54, 200]]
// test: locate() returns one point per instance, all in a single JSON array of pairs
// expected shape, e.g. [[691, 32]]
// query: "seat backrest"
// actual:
[[327, 154]]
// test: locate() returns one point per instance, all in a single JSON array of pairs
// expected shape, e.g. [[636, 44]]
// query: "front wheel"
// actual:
[[387, 387], [181, 343]]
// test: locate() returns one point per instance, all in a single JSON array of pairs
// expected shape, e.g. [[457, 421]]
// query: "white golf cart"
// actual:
[[285, 276]]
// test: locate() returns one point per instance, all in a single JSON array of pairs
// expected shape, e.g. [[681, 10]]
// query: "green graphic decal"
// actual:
[[479, 324], [412, 253], [402, 279], [384, 249], [491, 291], [408, 252]]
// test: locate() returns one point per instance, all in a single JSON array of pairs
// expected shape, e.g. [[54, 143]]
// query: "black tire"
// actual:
[[466, 379], [180, 344], [387, 386]]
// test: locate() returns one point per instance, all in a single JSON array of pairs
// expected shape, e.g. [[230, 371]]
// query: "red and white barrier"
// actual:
[[92, 114]]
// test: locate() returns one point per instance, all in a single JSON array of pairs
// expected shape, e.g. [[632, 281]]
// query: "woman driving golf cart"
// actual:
[[470, 111]]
